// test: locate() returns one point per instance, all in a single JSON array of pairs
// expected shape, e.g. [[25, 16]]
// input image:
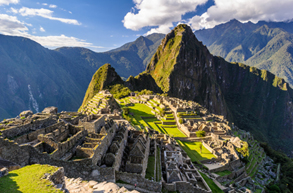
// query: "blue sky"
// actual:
[[104, 25]]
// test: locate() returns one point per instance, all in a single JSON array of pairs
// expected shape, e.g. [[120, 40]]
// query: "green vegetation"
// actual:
[[223, 173], [99, 82], [119, 91], [194, 151], [125, 110], [165, 58], [185, 114], [144, 91], [28, 179], [150, 168], [244, 149], [200, 133], [212, 185]]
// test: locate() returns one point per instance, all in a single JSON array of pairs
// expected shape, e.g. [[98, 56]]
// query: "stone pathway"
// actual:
[[78, 186]]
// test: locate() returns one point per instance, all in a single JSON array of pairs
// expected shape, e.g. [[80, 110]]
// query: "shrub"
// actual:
[[244, 149], [119, 91], [200, 133], [125, 110], [180, 120]]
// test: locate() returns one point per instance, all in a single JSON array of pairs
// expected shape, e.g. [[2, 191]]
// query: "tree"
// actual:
[[125, 110], [200, 134]]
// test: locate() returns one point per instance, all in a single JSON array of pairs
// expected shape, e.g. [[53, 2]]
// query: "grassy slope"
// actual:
[[193, 151], [167, 59], [212, 185], [96, 84], [28, 180]]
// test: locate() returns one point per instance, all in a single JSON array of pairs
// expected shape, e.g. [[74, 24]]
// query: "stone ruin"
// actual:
[[179, 173]]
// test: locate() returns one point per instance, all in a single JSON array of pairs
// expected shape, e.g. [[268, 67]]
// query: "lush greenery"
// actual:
[[200, 133], [244, 149], [212, 185], [144, 91], [119, 91], [195, 150], [28, 179], [163, 61]]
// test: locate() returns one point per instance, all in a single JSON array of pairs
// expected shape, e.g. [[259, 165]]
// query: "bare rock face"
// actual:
[[50, 110]]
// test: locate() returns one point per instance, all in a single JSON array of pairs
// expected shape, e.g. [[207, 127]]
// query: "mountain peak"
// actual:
[[105, 76]]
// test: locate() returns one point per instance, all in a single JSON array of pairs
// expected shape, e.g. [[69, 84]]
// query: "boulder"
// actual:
[[50, 110], [3, 172], [26, 113]]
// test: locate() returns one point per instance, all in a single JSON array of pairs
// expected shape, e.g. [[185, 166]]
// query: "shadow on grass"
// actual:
[[7, 184], [194, 153]]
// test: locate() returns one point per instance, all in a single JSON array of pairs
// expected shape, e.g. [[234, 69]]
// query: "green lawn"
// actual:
[[193, 151], [223, 173], [28, 179], [150, 168], [141, 110], [211, 184], [172, 131]]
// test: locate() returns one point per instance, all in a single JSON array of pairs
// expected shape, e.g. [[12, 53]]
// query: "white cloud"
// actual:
[[45, 4], [52, 6], [12, 10], [45, 13], [7, 2], [248, 10], [42, 29], [10, 25], [158, 13]]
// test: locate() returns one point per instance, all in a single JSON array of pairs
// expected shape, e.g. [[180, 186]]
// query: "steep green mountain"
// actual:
[[130, 59], [265, 45], [256, 100], [104, 77], [33, 77]]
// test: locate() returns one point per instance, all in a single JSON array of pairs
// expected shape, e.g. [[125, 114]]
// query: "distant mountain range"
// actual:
[[265, 45], [34, 77]]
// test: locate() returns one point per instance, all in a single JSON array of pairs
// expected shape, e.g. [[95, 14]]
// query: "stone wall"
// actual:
[[101, 150], [119, 153], [146, 157], [26, 128], [185, 187], [34, 134], [210, 149], [92, 123], [140, 181], [26, 155], [69, 144]]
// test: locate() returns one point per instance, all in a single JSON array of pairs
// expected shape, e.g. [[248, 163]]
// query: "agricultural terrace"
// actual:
[[140, 116], [193, 150]]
